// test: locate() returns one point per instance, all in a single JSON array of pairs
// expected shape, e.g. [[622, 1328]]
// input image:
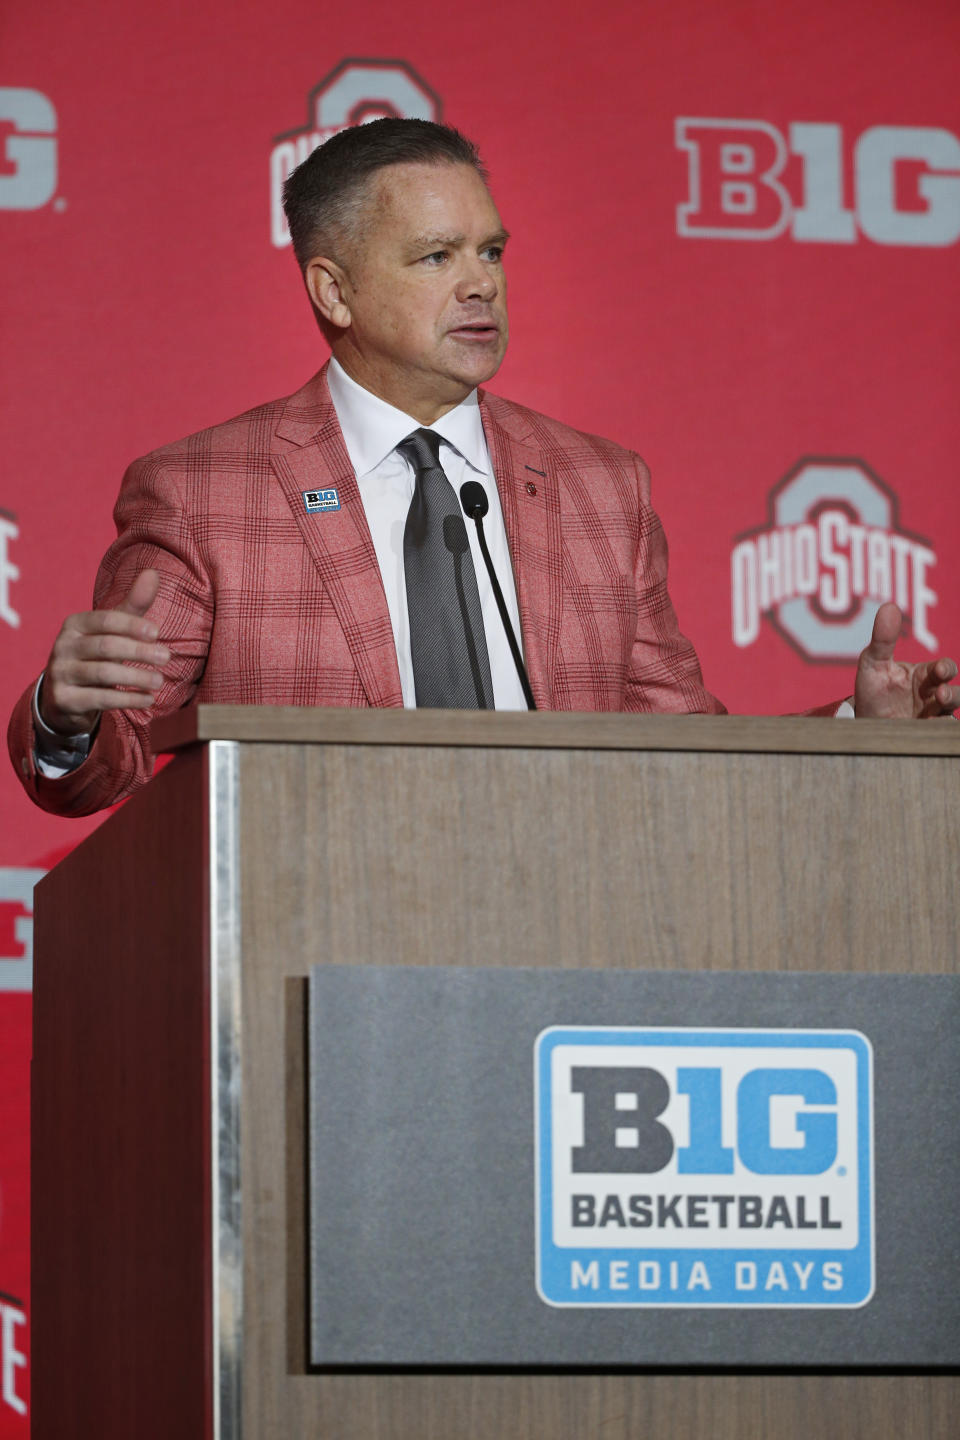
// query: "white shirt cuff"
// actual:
[[56, 755], [846, 711]]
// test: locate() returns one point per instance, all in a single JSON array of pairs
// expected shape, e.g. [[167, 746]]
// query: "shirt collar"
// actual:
[[372, 429]]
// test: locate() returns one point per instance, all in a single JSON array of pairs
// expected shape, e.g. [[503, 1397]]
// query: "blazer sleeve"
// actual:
[[155, 530], [664, 673]]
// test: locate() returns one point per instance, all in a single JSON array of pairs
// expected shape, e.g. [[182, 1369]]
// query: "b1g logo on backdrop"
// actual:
[[832, 550], [704, 1167], [356, 91], [28, 149], [16, 927], [905, 183]]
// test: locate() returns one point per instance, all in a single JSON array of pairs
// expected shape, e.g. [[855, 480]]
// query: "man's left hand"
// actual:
[[889, 689]]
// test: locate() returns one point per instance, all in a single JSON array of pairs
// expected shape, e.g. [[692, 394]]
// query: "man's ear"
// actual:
[[328, 288]]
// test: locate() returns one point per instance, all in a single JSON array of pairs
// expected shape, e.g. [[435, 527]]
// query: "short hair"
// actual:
[[323, 196]]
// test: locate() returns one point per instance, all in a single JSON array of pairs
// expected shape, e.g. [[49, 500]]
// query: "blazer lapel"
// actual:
[[339, 540], [529, 497]]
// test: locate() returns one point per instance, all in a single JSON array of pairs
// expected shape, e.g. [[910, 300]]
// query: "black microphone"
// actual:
[[474, 500]]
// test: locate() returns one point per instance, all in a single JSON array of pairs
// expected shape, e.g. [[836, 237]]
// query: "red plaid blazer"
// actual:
[[263, 603]]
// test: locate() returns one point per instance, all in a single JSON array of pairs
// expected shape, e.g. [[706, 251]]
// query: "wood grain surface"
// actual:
[[621, 857], [293, 724]]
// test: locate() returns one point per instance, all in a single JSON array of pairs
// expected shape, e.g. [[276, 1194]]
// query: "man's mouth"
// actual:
[[476, 330]]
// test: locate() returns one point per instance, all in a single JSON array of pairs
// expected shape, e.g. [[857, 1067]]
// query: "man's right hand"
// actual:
[[102, 660]]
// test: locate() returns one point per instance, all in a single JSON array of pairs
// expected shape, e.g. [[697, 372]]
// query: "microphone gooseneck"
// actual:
[[475, 504]]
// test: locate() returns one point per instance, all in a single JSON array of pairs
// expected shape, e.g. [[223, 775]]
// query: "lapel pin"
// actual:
[[314, 500], [530, 488]]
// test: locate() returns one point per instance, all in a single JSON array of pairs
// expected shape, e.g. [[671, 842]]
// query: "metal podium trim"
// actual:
[[225, 1093]]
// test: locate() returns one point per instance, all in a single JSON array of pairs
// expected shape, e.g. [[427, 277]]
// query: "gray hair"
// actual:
[[323, 197]]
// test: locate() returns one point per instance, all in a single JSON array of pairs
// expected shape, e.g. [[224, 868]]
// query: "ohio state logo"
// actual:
[[749, 180], [832, 551], [356, 91], [9, 572]]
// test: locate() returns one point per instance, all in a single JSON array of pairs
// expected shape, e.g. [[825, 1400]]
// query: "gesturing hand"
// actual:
[[102, 660], [890, 689]]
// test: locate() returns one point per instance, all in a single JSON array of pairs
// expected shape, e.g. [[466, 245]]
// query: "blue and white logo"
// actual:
[[320, 500], [704, 1167]]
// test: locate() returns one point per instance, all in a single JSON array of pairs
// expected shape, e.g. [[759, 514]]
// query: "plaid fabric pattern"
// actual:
[[263, 603]]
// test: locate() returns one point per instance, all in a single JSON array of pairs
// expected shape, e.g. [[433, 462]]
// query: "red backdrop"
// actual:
[[735, 249]]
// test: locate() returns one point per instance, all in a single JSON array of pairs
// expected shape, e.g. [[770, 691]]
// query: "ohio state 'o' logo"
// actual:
[[356, 91], [832, 551]]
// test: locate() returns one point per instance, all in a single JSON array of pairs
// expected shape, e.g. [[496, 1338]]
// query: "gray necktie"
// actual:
[[451, 669]]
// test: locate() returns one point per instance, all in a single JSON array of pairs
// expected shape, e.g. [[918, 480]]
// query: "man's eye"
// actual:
[[437, 258], [494, 253]]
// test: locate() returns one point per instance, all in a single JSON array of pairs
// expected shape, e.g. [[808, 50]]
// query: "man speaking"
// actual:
[[314, 551]]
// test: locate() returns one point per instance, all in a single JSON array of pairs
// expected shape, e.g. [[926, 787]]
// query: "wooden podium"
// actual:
[[171, 953]]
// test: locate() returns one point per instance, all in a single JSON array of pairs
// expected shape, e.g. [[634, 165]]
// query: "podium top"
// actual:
[[301, 725]]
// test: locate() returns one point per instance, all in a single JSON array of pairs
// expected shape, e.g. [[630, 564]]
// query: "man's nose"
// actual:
[[477, 283]]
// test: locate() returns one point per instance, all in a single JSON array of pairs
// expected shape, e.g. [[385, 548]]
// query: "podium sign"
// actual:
[[641, 1200], [535, 1167]]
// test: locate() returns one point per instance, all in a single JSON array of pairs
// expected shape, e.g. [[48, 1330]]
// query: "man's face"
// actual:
[[425, 289]]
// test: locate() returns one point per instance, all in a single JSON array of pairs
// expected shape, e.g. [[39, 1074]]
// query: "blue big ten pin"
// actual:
[[315, 500]]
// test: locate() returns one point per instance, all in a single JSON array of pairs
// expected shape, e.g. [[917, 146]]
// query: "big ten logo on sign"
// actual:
[[356, 91], [832, 550], [28, 149], [9, 572], [16, 928], [748, 180], [704, 1167]]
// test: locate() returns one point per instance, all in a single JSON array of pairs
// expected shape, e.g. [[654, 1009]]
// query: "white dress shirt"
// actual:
[[372, 430]]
